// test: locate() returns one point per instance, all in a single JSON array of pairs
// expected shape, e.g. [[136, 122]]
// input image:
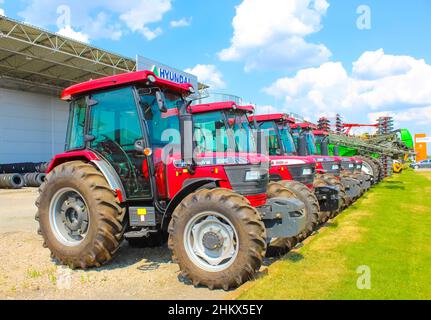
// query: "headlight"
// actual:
[[252, 175], [335, 167], [307, 172]]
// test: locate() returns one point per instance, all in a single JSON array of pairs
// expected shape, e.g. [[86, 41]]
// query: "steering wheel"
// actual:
[[113, 147]]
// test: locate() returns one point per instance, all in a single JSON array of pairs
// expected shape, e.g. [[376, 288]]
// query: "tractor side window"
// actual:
[[75, 130], [273, 145]]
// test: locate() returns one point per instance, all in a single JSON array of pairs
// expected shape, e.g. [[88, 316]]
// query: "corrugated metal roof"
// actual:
[[34, 55]]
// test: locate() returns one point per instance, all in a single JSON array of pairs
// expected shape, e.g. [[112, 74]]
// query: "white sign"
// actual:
[[165, 72], [423, 140]]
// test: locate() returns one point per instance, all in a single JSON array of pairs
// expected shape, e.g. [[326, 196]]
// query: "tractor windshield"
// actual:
[[223, 131]]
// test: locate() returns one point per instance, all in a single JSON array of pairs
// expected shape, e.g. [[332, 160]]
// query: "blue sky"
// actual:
[[306, 56]]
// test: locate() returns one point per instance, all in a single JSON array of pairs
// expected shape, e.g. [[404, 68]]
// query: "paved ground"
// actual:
[[27, 272]]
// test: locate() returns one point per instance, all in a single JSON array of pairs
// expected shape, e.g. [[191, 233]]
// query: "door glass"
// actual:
[[75, 130], [116, 127]]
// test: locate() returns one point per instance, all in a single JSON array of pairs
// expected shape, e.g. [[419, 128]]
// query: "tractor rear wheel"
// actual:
[[80, 217], [312, 209], [217, 238], [280, 246], [381, 169]]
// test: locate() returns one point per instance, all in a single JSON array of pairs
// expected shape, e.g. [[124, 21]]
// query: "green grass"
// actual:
[[388, 230]]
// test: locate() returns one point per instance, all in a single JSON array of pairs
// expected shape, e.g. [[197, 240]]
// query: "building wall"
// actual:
[[32, 126]]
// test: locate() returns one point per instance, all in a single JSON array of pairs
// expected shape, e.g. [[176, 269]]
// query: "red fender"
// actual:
[[71, 156]]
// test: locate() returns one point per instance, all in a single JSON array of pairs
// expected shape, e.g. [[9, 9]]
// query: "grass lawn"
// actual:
[[387, 232]]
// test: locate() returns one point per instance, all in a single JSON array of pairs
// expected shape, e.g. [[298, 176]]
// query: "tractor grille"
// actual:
[[297, 173], [237, 179], [328, 167]]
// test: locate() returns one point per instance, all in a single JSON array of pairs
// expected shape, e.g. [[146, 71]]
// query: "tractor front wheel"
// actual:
[[80, 217], [217, 238]]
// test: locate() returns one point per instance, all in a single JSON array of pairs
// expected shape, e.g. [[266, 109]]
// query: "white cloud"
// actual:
[[271, 33], [184, 22], [420, 116], [114, 18], [145, 12], [395, 85], [376, 64], [70, 33], [2, 13], [208, 74]]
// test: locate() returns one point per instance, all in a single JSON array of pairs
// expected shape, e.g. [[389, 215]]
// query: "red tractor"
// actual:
[[132, 170], [295, 172], [349, 165], [329, 168]]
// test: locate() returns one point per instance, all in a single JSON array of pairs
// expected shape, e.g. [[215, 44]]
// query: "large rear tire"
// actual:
[[81, 219], [217, 238], [312, 209]]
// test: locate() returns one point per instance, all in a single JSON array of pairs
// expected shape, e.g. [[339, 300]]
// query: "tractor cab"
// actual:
[[286, 164], [307, 144]]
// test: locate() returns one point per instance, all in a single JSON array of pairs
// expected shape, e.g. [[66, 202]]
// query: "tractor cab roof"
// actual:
[[320, 133], [217, 106], [304, 125], [278, 117], [138, 77]]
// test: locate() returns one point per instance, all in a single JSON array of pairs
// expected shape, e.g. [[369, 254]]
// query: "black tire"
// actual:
[[312, 209], [379, 164], [344, 200], [106, 216], [280, 246], [245, 220]]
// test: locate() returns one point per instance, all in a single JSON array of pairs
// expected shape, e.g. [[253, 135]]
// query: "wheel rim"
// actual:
[[68, 216], [211, 241]]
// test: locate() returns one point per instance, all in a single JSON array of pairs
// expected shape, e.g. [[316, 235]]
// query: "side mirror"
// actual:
[[161, 102]]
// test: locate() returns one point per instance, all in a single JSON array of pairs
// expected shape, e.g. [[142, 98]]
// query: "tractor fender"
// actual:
[[189, 186], [104, 167]]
